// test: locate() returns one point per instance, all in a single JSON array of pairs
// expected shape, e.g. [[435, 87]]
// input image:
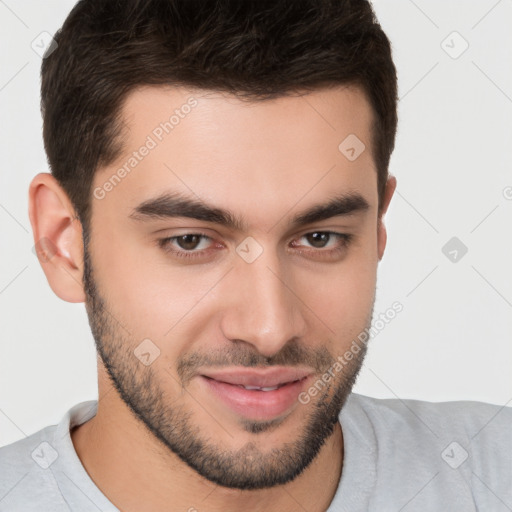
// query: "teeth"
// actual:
[[260, 389]]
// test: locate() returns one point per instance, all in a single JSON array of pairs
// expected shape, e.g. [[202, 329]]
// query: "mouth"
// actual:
[[268, 388], [258, 378], [258, 395]]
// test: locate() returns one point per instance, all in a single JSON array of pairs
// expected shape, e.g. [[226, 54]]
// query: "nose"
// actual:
[[263, 308]]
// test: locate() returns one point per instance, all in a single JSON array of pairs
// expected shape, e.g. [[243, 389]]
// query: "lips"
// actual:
[[264, 379], [259, 394]]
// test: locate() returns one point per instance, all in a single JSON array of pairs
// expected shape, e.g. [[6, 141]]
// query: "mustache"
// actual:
[[292, 354]]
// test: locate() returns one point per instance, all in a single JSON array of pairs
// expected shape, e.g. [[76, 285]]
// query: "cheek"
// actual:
[[342, 296], [142, 292]]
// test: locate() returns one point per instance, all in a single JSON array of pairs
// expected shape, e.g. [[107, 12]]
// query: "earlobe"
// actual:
[[382, 235], [57, 237]]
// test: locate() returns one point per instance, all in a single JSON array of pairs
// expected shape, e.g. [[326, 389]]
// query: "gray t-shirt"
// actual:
[[400, 455]]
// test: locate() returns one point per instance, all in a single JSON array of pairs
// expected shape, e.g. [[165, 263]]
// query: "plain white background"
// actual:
[[453, 162]]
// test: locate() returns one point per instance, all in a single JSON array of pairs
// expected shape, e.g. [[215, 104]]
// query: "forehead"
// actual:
[[272, 154], [308, 116]]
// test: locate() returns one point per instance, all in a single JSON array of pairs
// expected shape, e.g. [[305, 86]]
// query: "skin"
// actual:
[[294, 305]]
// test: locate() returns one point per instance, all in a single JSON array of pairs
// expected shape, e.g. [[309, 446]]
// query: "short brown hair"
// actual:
[[254, 49]]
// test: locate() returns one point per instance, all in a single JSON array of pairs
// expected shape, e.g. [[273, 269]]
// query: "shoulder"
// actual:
[[36, 471], [478, 422], [460, 450], [22, 456], [24, 476]]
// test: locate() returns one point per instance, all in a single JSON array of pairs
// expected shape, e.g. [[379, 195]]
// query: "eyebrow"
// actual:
[[170, 205]]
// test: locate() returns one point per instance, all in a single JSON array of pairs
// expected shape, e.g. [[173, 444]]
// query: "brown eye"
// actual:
[[323, 239], [318, 239], [188, 242], [189, 245], [323, 245]]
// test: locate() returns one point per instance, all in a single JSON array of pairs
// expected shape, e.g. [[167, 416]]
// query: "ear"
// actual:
[[382, 235], [57, 237]]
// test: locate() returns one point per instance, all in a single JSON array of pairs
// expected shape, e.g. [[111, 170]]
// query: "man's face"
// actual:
[[270, 300]]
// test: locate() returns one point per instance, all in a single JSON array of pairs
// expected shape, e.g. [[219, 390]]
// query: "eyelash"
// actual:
[[165, 244]]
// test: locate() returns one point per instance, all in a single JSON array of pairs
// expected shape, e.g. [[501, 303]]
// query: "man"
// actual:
[[218, 188]]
